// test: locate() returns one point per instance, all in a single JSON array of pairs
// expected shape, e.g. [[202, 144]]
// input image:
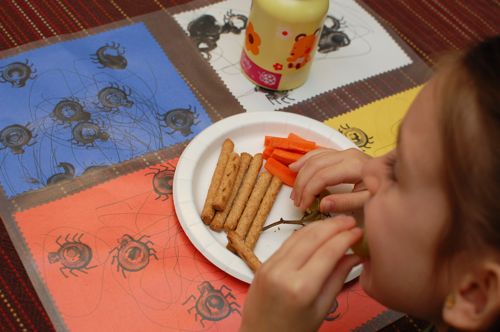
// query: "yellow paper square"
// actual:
[[374, 127]]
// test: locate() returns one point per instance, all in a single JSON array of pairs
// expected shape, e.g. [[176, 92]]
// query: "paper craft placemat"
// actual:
[[374, 127], [361, 49], [97, 100], [117, 259], [94, 106], [92, 241]]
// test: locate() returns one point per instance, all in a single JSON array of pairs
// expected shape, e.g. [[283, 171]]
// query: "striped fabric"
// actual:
[[430, 27]]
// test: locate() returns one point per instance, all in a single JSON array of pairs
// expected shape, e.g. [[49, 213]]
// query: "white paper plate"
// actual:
[[196, 166]]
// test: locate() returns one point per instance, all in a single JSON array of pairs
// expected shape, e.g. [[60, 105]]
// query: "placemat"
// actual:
[[429, 27]]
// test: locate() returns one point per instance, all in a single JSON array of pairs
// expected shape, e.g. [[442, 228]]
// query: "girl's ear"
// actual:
[[475, 305]]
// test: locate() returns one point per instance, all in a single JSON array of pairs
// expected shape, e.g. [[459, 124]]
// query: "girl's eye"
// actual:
[[390, 163]]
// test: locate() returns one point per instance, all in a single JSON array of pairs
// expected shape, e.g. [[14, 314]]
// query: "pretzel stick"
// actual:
[[243, 251], [220, 216], [227, 182], [208, 211], [243, 193], [263, 212], [253, 203]]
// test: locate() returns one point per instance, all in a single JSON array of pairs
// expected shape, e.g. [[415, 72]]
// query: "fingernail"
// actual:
[[292, 195], [326, 206], [356, 230]]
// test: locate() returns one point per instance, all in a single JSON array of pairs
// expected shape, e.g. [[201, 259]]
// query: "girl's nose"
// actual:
[[371, 175]]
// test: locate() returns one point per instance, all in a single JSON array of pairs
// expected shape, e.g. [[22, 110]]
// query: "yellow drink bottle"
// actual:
[[281, 40]]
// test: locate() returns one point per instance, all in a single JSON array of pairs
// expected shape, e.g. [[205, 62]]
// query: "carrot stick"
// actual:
[[295, 137], [286, 157], [287, 144], [280, 170], [267, 152]]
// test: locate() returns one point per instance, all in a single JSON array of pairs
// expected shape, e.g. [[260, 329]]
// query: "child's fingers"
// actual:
[[307, 243], [336, 280], [297, 165], [344, 172], [344, 202], [324, 259], [310, 171]]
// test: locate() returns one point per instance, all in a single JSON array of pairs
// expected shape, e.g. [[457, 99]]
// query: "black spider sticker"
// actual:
[[332, 38], [205, 31], [73, 254], [276, 97], [179, 119], [15, 137], [86, 133], [131, 254], [17, 73], [68, 173], [212, 304], [163, 180], [357, 136], [110, 56], [68, 111], [111, 98]]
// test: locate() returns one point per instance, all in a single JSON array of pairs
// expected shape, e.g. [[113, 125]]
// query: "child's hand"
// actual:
[[321, 168], [296, 287]]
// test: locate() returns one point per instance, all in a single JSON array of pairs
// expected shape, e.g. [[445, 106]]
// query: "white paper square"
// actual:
[[371, 51]]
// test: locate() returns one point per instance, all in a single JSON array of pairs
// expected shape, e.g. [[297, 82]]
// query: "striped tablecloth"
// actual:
[[429, 27]]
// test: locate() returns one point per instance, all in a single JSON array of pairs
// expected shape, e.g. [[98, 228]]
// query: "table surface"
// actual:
[[429, 27]]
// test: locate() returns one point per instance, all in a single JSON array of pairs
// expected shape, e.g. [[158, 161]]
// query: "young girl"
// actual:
[[431, 215]]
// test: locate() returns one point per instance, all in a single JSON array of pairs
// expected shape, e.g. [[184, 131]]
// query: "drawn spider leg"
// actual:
[[152, 252], [57, 241], [66, 238], [127, 90], [142, 237], [114, 257], [31, 143], [201, 320], [154, 168], [196, 115], [187, 300], [224, 287], [62, 268], [233, 309], [229, 296], [123, 273], [79, 238], [73, 273], [75, 238]]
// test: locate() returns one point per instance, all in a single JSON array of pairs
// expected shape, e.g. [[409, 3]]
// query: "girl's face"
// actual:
[[405, 215]]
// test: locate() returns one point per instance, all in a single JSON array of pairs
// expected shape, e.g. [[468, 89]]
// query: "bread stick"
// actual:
[[227, 182], [243, 251], [208, 211], [263, 212], [220, 216], [253, 204], [243, 193]]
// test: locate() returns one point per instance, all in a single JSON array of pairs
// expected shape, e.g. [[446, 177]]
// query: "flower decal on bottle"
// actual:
[[252, 40], [278, 66]]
